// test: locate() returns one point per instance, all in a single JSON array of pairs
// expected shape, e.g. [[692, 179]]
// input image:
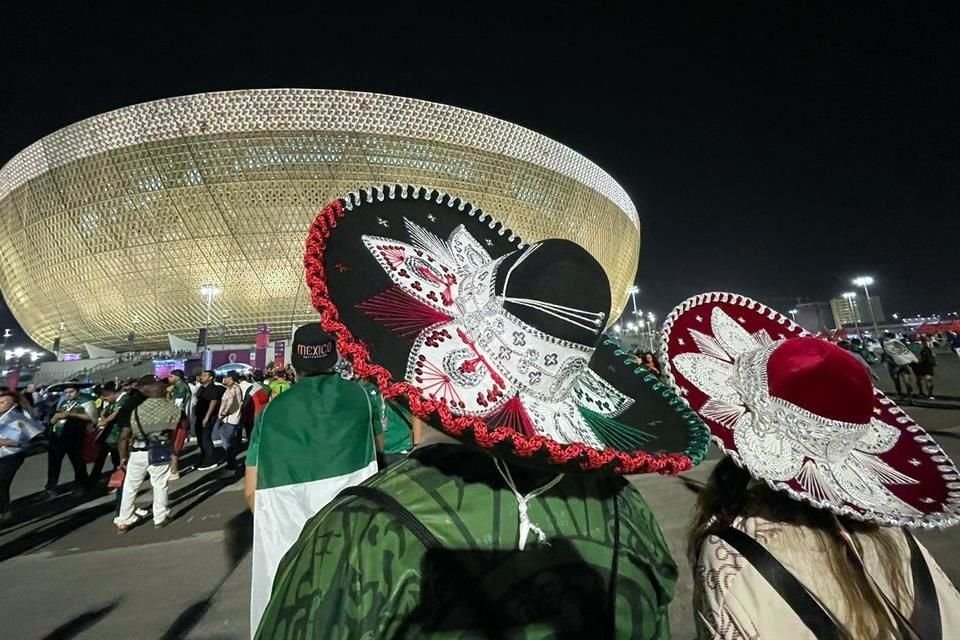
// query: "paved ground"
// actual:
[[64, 573]]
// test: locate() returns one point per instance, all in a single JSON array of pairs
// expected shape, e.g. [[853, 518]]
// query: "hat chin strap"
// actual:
[[526, 526], [578, 317]]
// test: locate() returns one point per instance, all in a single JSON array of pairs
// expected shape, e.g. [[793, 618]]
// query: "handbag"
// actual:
[[117, 478], [90, 447], [180, 435], [159, 447]]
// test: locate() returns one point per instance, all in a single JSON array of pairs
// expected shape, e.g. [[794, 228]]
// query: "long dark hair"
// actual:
[[653, 359], [731, 492]]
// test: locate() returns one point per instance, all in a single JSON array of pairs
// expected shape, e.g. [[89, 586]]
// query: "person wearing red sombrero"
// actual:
[[801, 528], [515, 521]]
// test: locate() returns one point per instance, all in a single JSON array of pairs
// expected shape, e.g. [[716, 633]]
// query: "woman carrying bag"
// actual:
[[146, 450], [802, 531]]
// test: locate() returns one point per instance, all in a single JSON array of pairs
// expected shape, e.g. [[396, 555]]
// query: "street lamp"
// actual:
[[851, 298], [208, 290], [633, 291], [866, 282]]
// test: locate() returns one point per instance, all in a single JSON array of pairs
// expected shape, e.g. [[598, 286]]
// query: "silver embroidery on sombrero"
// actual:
[[560, 421], [417, 271], [460, 250], [543, 366], [486, 355], [781, 442], [596, 394]]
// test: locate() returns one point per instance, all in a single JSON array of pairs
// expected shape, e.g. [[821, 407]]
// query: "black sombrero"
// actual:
[[494, 341]]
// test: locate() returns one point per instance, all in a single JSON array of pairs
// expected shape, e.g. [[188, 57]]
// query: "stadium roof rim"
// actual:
[[258, 110]]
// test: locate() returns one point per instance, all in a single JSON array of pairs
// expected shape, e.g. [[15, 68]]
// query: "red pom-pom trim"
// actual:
[[467, 427]]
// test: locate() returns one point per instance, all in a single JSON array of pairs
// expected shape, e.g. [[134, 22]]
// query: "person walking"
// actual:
[[255, 398], [231, 405], [900, 363], [802, 530], [108, 429], [206, 415], [17, 429], [927, 363], [75, 413], [954, 341], [515, 521], [179, 391], [145, 450]]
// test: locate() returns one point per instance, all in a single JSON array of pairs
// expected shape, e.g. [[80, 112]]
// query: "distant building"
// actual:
[[855, 311], [815, 316]]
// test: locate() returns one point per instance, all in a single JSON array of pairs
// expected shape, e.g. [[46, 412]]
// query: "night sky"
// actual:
[[775, 153]]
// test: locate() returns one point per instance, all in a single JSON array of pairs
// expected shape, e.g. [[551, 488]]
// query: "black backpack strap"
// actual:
[[397, 510], [926, 607], [807, 608]]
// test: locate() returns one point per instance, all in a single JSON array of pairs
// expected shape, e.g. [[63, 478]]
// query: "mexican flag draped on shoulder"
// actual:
[[307, 445]]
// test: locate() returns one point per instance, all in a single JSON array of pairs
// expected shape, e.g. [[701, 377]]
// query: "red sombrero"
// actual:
[[496, 342], [802, 415]]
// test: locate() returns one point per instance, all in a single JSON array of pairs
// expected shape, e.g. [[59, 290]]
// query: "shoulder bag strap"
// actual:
[[814, 616], [926, 608], [136, 417], [401, 513]]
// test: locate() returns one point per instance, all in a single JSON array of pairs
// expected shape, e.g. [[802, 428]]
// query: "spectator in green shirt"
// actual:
[[278, 384], [402, 431], [108, 429], [181, 394], [75, 413], [179, 391]]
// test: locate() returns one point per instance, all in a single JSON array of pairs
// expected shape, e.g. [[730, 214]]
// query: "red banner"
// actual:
[[263, 336], [263, 339], [279, 353]]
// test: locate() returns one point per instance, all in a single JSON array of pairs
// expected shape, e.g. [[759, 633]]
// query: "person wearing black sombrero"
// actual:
[[519, 524]]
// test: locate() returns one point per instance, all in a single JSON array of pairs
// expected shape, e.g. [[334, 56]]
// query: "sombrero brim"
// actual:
[[376, 327], [918, 472]]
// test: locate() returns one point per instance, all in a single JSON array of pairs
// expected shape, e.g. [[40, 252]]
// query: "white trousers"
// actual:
[[137, 471]]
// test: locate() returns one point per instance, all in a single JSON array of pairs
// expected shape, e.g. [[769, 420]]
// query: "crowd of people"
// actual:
[[140, 425], [910, 361]]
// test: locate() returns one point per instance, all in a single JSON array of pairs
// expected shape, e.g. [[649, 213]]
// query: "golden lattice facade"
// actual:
[[111, 225]]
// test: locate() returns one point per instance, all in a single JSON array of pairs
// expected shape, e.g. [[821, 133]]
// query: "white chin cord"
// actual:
[[525, 525]]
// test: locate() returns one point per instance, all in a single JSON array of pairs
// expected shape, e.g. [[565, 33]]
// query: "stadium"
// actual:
[[113, 225]]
